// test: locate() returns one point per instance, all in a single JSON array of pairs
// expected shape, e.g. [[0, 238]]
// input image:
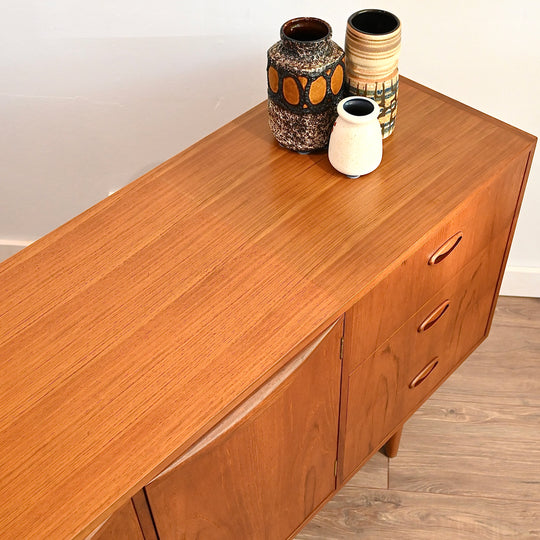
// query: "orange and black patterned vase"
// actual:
[[305, 83]]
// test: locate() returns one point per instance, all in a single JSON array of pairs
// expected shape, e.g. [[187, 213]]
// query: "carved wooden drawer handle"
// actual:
[[424, 374], [434, 316], [446, 249]]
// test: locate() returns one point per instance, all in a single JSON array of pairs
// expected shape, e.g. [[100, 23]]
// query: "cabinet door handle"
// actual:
[[434, 316], [446, 249], [424, 374]]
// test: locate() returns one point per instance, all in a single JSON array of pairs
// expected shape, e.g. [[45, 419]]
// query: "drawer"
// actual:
[[447, 250], [392, 383]]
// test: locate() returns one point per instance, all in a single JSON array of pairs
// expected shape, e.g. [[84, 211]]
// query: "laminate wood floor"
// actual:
[[468, 466]]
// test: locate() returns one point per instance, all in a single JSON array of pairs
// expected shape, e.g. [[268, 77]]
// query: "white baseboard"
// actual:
[[10, 247], [521, 281]]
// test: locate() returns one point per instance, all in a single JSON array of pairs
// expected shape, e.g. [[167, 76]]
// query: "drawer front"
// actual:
[[444, 254], [391, 384]]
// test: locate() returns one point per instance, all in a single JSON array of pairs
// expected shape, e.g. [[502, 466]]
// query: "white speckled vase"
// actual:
[[355, 146]]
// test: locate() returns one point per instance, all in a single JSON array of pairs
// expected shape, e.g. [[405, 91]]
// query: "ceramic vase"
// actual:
[[372, 47], [305, 83], [355, 145]]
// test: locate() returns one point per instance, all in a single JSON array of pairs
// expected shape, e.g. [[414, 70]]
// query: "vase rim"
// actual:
[[392, 22], [366, 111], [306, 26]]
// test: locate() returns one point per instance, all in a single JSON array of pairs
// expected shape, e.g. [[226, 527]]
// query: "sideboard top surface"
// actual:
[[132, 329]]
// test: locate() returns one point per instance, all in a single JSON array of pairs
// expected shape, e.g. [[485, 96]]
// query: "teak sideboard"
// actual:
[[214, 350]]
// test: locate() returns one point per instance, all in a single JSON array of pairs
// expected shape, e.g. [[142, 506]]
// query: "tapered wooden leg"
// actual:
[[392, 445]]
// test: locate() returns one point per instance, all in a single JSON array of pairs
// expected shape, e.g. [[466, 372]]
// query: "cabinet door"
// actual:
[[267, 466], [122, 525]]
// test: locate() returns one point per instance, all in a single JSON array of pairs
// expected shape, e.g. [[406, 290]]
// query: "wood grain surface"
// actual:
[[134, 328], [380, 394], [488, 214], [374, 474], [144, 516], [517, 382], [264, 474], [451, 455], [468, 465], [122, 525], [384, 515]]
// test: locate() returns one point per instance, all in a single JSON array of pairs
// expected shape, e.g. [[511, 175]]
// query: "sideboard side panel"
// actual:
[[528, 163]]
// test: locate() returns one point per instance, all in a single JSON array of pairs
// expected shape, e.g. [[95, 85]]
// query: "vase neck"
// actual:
[[306, 36]]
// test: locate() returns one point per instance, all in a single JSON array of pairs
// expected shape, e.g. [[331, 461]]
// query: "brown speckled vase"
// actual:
[[305, 83], [372, 47]]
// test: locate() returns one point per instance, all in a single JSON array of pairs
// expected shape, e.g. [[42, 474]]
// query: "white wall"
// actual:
[[93, 94]]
